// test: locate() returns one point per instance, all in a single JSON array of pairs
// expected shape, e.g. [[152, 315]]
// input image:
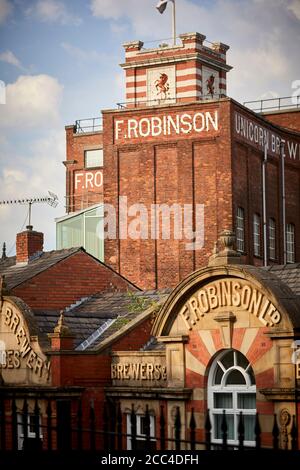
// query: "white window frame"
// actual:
[[290, 243], [214, 389], [272, 238], [256, 235], [85, 158], [30, 434], [142, 437], [240, 230]]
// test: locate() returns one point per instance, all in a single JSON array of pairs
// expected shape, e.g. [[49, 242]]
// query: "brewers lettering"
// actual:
[[138, 371]]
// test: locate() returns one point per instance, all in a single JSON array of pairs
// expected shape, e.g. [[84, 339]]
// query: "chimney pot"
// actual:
[[28, 244]]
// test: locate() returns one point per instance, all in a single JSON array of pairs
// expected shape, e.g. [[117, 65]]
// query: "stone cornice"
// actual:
[[174, 59], [280, 394], [165, 393]]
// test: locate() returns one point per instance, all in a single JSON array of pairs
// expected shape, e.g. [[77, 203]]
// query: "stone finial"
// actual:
[[61, 329], [220, 47], [4, 251], [227, 253], [133, 45], [227, 241]]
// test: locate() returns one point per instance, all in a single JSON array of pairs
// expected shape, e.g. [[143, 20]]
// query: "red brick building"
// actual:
[[61, 315], [57, 279], [54, 366], [227, 337], [179, 140], [224, 339]]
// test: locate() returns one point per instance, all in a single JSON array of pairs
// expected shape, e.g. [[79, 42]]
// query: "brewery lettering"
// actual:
[[259, 136], [24, 355], [174, 125], [229, 293], [138, 371]]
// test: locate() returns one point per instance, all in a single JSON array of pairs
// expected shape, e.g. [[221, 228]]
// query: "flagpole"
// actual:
[[174, 24]]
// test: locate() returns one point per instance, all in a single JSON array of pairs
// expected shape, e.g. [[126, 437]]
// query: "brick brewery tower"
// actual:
[[179, 140]]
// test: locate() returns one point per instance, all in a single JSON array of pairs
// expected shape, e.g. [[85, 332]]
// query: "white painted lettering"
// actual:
[[118, 128]]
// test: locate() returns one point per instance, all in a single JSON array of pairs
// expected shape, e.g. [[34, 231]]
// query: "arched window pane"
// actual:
[[242, 361], [232, 389], [251, 375], [218, 375], [227, 360], [235, 377]]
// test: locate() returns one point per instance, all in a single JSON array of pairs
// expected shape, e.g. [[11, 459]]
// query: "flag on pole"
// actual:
[[162, 5]]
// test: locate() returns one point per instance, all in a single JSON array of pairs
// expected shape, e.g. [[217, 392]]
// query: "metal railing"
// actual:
[[88, 426], [165, 102], [274, 104], [76, 202], [83, 126]]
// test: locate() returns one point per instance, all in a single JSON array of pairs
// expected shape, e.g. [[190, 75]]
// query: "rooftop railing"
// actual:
[[83, 126], [274, 104]]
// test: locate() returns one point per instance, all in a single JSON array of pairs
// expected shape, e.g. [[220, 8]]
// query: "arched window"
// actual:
[[231, 387]]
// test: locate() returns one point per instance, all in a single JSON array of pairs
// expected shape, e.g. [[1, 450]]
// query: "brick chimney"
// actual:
[[29, 243]]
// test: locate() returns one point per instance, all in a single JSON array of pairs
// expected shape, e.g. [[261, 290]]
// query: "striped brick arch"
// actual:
[[256, 323], [272, 289]]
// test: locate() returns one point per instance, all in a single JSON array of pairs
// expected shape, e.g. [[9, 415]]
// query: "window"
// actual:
[[290, 243], [272, 239], [256, 234], [141, 432], [93, 158], [231, 387], [240, 229], [86, 229], [31, 427]]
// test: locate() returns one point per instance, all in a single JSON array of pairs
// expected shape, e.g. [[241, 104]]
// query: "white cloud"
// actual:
[[5, 10], [53, 11], [263, 40], [29, 174], [83, 55], [33, 100], [294, 7], [10, 58], [111, 9]]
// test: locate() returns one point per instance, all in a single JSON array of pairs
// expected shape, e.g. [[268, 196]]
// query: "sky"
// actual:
[[59, 61]]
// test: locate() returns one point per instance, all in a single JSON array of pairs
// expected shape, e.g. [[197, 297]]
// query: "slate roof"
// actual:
[[16, 274], [93, 313], [289, 274]]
